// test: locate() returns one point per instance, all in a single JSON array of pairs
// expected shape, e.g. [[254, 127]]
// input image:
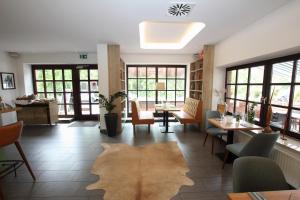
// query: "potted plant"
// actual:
[[111, 118]]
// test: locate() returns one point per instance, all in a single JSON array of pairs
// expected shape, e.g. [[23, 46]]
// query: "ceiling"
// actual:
[[78, 25]]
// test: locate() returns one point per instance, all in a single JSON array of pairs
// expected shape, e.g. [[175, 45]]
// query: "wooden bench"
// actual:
[[191, 112], [140, 117]]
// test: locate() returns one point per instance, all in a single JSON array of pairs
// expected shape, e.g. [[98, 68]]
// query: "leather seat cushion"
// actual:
[[236, 148], [216, 131], [145, 117], [184, 117]]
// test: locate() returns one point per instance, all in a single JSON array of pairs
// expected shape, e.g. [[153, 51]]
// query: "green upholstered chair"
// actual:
[[211, 130], [259, 145], [252, 174]]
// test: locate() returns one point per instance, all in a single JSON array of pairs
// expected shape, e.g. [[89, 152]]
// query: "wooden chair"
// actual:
[[191, 112], [10, 134], [140, 117]]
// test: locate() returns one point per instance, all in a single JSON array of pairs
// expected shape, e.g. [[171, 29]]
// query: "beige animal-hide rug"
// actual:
[[150, 172]]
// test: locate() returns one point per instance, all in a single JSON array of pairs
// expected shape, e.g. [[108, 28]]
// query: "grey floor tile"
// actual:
[[62, 157]]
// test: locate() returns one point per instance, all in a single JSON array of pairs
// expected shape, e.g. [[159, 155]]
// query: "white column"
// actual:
[[218, 84], [102, 60]]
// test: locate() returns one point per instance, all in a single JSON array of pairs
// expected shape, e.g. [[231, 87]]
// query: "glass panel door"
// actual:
[[75, 89], [88, 92]]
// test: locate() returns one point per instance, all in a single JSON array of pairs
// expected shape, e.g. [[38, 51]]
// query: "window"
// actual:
[[75, 88], [141, 84], [276, 81], [244, 87], [55, 83]]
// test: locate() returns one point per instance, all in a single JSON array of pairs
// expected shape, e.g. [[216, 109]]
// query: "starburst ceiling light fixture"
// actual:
[[180, 9]]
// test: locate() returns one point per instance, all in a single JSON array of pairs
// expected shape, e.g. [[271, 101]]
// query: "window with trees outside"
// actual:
[[55, 83], [75, 88], [257, 82], [141, 84]]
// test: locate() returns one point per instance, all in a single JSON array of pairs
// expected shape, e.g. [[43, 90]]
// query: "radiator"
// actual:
[[290, 165], [287, 159]]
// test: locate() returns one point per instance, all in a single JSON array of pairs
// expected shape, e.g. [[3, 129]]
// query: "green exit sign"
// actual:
[[83, 56]]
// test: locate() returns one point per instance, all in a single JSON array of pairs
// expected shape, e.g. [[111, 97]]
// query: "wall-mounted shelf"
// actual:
[[196, 83]]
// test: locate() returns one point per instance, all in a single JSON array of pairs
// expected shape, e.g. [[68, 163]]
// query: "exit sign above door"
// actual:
[[83, 56]]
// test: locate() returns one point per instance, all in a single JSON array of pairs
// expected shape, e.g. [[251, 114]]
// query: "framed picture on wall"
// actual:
[[7, 81]]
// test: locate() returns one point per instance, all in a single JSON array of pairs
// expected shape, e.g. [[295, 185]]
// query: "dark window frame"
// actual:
[[156, 78], [267, 85], [75, 85]]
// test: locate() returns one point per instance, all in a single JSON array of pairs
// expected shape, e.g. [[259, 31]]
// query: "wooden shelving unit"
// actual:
[[201, 79], [196, 79], [123, 88]]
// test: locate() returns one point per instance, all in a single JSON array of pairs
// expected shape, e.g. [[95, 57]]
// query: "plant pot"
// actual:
[[111, 122]]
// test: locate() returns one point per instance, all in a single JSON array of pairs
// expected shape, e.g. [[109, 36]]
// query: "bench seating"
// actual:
[[140, 117], [191, 112]]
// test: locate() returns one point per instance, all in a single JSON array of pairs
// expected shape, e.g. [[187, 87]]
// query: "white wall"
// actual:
[[57, 58], [26, 59], [157, 58], [102, 58], [277, 34], [8, 64], [218, 84]]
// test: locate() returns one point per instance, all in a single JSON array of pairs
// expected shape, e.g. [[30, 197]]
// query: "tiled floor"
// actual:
[[61, 157]]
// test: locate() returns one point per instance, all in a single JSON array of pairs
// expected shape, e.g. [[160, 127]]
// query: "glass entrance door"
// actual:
[[75, 89], [88, 92]]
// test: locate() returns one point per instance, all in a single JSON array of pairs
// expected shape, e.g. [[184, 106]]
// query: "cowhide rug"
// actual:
[[150, 172]]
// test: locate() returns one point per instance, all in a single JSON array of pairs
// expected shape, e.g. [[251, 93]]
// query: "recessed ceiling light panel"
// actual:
[[180, 9], [168, 35]]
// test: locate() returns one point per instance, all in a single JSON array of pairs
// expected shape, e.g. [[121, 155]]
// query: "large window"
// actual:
[[74, 87], [244, 87], [258, 82], [141, 84], [55, 83]]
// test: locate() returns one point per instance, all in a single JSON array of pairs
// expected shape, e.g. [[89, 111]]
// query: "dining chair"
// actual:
[[10, 134], [212, 130], [140, 117], [259, 145], [252, 174]]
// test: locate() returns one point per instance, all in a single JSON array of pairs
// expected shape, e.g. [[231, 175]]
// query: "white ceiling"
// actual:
[[78, 25]]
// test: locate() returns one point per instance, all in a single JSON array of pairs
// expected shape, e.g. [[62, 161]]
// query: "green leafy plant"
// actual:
[[108, 103], [251, 112]]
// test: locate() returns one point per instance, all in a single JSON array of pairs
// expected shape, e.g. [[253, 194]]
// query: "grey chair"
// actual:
[[259, 145], [252, 174], [211, 130]]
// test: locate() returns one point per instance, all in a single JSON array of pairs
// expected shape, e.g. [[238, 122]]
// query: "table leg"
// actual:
[[230, 134], [164, 118], [167, 123]]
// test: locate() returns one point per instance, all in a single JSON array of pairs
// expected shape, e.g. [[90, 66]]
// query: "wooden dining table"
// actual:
[[270, 195], [165, 109], [232, 127]]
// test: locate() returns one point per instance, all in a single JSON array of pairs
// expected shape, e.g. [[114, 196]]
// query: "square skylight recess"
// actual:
[[168, 35]]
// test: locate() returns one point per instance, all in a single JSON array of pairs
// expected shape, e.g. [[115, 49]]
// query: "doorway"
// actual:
[[75, 87]]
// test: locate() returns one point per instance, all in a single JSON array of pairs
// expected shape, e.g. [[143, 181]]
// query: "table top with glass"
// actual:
[[165, 107], [234, 125], [270, 195]]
